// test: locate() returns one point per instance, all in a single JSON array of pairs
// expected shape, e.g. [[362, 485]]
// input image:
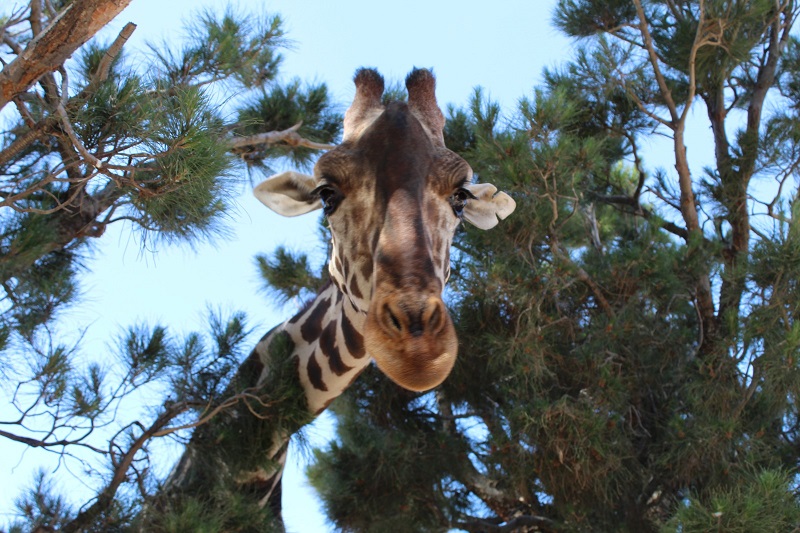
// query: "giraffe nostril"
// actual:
[[435, 318], [435, 315], [392, 321], [428, 317]]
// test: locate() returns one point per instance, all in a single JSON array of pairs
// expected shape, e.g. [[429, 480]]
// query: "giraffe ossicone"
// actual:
[[394, 196]]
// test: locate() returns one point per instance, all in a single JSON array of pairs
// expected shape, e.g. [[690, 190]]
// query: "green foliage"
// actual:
[[584, 18], [762, 501], [597, 388], [40, 282], [233, 445], [163, 141], [242, 434], [364, 478], [394, 91], [731, 30], [219, 46], [192, 375], [790, 63], [281, 109], [158, 141], [145, 351], [458, 133], [40, 506], [213, 514], [287, 276], [42, 291], [233, 46]]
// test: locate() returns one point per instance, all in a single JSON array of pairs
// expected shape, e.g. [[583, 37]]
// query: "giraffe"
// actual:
[[393, 195]]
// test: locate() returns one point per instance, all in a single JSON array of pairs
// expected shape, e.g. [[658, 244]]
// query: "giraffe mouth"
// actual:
[[412, 340]]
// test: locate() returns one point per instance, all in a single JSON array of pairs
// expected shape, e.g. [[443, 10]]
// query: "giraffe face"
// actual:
[[394, 196], [390, 198]]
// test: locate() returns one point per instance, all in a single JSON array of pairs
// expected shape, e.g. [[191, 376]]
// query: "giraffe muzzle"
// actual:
[[412, 340]]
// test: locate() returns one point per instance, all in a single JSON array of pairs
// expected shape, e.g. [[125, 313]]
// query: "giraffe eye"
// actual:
[[329, 196], [459, 199]]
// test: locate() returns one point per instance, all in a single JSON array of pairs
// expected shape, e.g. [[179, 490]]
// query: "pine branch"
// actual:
[[500, 502], [50, 48], [76, 142], [25, 140], [649, 47], [111, 54], [738, 216], [13, 19], [120, 475], [39, 443], [678, 124], [639, 210], [480, 525], [688, 202], [561, 255], [71, 226], [40, 129], [701, 38], [35, 17], [288, 136]]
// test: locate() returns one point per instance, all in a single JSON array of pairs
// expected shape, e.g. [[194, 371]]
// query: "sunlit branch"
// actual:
[[288, 136]]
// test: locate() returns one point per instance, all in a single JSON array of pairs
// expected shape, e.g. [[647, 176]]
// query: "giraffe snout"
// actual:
[[412, 339]]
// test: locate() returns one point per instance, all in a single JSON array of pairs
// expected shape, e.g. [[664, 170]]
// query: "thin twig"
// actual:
[[65, 123]]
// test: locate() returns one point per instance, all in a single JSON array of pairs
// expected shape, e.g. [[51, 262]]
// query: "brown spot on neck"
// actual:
[[353, 339], [327, 344], [311, 328], [315, 373]]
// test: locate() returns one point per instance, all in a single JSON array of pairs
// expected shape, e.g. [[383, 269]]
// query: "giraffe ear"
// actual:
[[288, 193], [488, 206]]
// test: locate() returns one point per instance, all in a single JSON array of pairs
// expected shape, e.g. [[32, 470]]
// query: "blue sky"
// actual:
[[502, 46]]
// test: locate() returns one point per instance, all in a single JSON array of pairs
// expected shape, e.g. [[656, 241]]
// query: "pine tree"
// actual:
[[156, 141], [629, 341]]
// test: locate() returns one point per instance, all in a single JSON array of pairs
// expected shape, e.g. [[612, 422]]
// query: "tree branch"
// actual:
[[24, 140], [43, 443], [106, 497], [76, 142], [67, 32], [637, 209], [647, 39], [688, 202], [113, 51], [479, 525], [555, 248], [288, 136], [737, 183]]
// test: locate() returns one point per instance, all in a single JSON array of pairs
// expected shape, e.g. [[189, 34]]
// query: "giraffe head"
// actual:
[[394, 196]]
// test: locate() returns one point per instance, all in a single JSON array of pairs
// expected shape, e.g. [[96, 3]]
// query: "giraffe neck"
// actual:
[[328, 346], [327, 351]]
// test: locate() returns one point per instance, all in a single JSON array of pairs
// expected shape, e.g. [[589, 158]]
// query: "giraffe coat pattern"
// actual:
[[393, 195], [391, 192]]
